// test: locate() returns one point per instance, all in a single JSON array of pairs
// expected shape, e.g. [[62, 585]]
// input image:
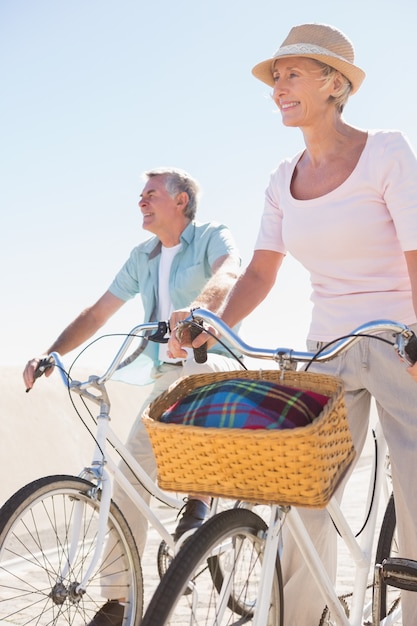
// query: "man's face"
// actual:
[[158, 208]]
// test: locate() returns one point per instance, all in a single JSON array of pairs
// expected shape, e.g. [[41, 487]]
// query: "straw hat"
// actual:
[[315, 41]]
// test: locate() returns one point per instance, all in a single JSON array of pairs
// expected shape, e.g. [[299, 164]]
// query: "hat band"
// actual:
[[301, 49]]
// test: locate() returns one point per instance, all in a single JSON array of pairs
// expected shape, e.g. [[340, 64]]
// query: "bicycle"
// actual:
[[53, 531], [248, 548]]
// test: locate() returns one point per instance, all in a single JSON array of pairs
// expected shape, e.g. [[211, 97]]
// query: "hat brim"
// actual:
[[263, 71]]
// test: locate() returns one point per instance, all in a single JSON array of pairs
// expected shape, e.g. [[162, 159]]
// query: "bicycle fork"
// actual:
[[270, 551], [102, 480]]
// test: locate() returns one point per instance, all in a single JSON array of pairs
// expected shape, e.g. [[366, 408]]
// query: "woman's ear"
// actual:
[[338, 83]]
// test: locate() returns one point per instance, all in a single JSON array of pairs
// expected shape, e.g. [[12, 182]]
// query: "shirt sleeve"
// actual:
[[398, 169], [270, 231], [126, 284], [222, 243]]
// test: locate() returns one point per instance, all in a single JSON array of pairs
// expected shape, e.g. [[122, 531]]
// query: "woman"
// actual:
[[346, 207]]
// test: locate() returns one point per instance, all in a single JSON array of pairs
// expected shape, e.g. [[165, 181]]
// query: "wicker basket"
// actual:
[[300, 466]]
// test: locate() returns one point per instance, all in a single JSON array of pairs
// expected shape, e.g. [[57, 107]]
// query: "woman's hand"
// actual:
[[412, 370]]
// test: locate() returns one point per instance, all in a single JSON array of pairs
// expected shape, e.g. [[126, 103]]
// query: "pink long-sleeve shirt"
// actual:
[[351, 240]]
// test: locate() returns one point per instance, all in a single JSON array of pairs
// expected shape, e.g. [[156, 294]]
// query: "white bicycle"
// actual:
[[240, 542], [53, 530]]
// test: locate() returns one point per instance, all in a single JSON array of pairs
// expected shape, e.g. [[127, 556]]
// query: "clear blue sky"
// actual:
[[94, 92]]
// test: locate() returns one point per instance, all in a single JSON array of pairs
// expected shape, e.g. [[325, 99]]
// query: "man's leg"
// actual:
[[139, 446], [197, 506], [111, 614]]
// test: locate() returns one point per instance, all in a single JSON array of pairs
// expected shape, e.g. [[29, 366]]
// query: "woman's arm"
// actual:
[[253, 286], [411, 259]]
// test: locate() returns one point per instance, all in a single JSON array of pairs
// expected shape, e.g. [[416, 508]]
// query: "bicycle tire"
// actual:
[[35, 534], [165, 557], [387, 547], [187, 594]]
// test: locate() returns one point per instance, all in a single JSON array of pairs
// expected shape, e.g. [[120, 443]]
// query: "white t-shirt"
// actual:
[[165, 306], [352, 239]]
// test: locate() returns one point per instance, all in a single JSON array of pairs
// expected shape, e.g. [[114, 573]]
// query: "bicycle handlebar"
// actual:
[[405, 342], [200, 354]]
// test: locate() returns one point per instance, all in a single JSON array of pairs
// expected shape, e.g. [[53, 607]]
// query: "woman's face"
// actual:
[[300, 92]]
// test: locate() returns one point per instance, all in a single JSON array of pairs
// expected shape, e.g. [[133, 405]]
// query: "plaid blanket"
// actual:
[[238, 403]]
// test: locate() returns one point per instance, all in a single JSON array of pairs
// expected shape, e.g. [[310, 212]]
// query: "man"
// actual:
[[184, 265]]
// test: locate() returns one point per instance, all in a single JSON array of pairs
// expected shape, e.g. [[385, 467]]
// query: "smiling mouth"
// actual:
[[288, 105]]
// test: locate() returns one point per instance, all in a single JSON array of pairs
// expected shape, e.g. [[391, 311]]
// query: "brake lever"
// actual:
[[159, 336], [407, 347], [410, 350]]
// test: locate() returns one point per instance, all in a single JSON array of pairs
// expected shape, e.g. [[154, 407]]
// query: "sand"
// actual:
[[41, 434]]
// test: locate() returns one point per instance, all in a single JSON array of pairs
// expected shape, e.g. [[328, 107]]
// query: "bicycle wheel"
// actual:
[[165, 557], [37, 526], [187, 594], [388, 547]]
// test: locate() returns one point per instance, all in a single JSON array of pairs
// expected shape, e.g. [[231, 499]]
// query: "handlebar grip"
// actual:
[[411, 349], [43, 365], [200, 354]]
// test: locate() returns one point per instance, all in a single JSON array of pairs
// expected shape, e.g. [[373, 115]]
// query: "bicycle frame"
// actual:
[[360, 550], [103, 469]]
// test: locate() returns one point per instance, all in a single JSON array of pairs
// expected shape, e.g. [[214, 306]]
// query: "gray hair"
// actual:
[[177, 181]]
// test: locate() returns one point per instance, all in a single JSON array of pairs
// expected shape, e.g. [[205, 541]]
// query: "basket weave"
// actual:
[[300, 466]]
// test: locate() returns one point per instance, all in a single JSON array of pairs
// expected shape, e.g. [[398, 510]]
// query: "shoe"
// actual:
[[110, 614], [194, 512]]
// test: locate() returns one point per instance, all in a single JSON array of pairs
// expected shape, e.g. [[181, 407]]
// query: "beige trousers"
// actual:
[[370, 368], [139, 446]]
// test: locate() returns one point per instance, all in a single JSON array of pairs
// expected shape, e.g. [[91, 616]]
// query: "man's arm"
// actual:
[[225, 273], [246, 294], [81, 329]]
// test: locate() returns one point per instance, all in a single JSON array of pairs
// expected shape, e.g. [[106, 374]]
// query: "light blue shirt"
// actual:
[[201, 246]]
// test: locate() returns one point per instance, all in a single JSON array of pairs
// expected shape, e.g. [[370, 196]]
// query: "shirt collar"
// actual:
[[153, 246]]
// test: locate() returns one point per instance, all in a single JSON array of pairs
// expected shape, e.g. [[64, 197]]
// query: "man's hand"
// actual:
[[29, 375], [180, 336], [175, 342], [178, 316], [175, 350]]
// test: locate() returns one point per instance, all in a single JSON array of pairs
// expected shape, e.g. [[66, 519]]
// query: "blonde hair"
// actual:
[[345, 88]]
